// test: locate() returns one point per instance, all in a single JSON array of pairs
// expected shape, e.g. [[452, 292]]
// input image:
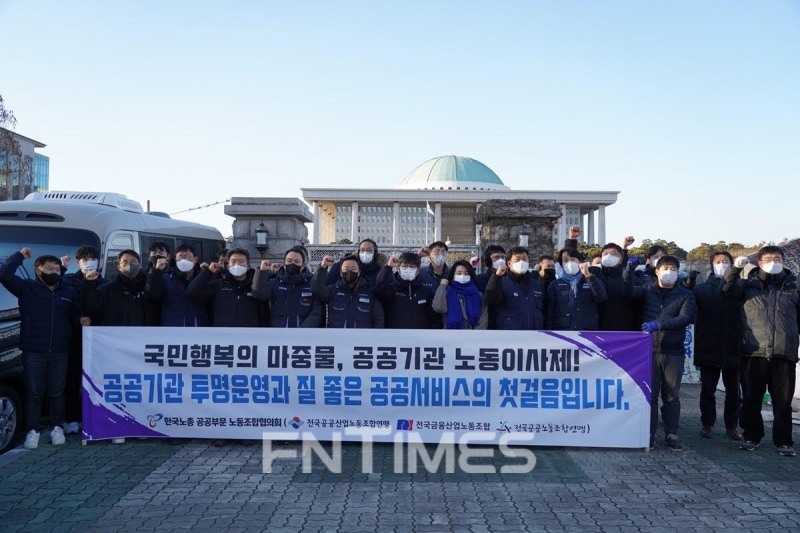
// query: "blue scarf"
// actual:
[[573, 281], [469, 294]]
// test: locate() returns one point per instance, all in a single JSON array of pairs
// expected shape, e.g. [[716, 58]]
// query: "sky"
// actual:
[[689, 108]]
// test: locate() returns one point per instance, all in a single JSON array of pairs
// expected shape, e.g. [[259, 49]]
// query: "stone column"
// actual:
[[317, 222], [396, 223], [562, 227], [601, 225], [437, 227], [590, 227], [284, 218], [354, 222]]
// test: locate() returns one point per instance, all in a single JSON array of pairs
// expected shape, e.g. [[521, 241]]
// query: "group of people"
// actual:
[[746, 327]]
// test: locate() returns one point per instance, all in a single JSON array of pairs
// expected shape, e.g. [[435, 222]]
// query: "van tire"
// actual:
[[11, 421]]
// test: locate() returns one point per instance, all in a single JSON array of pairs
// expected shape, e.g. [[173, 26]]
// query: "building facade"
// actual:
[[22, 170], [438, 201]]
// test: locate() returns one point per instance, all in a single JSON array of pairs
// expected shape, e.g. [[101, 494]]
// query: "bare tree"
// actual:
[[16, 168]]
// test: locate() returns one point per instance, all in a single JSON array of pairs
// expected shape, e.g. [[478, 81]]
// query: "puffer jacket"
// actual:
[[119, 302], [48, 317], [233, 305], [406, 304], [771, 311], [178, 309], [349, 307], [674, 309], [718, 328]]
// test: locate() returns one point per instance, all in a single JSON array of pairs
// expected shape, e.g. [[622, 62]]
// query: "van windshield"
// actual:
[[42, 241]]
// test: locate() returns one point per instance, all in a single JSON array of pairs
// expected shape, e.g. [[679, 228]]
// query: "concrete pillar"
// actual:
[[478, 228], [317, 222], [562, 227], [590, 227], [601, 225], [396, 223], [437, 223], [354, 223]]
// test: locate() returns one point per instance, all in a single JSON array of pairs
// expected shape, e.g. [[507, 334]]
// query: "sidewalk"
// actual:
[[146, 485]]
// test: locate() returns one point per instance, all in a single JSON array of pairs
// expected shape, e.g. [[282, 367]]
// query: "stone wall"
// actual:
[[502, 221]]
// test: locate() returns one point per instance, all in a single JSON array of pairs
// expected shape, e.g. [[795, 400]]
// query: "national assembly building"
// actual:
[[438, 201]]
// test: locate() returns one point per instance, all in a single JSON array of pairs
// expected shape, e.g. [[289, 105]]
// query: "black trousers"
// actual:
[[44, 372], [709, 378], [667, 375], [72, 390], [777, 376]]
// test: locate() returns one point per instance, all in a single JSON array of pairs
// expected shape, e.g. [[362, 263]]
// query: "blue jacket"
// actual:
[[516, 308], [575, 311], [346, 307], [673, 309], [407, 304], [178, 309], [292, 301], [47, 317]]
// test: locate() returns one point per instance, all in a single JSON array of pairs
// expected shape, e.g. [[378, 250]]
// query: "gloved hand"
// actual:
[[650, 327], [741, 261], [633, 261]]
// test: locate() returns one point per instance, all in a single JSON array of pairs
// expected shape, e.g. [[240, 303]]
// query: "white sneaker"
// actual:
[[32, 440], [72, 427], [57, 436], [118, 441]]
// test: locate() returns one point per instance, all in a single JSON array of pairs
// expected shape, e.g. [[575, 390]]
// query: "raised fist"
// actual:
[[161, 263], [26, 252], [501, 271], [65, 261], [574, 232], [584, 267], [393, 262], [214, 267], [326, 261], [266, 264], [424, 251], [627, 241]]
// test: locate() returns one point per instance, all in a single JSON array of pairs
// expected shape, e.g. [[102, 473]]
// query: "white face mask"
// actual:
[[438, 259], [408, 273], [184, 265], [237, 270], [366, 257], [721, 268], [571, 267], [520, 267], [88, 265], [668, 277], [772, 267], [609, 260], [497, 263], [464, 278]]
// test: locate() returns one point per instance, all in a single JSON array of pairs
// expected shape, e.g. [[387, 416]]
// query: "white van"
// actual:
[[58, 223]]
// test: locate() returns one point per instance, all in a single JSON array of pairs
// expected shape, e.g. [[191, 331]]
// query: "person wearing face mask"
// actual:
[[573, 300], [493, 257], [717, 334], [292, 301], [407, 304], [370, 260], [459, 299], [88, 259], [437, 266], [771, 303], [121, 301], [516, 295], [350, 302], [231, 297], [647, 273], [49, 314], [668, 308], [545, 270], [169, 287], [619, 312]]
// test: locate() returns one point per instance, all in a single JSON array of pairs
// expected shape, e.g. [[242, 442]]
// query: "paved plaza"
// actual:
[[193, 485]]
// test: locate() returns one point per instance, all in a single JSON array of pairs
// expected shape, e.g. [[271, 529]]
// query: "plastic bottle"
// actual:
[[767, 399]]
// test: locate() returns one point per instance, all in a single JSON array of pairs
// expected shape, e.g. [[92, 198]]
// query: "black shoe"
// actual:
[[748, 446], [706, 432], [673, 442], [733, 434], [786, 451]]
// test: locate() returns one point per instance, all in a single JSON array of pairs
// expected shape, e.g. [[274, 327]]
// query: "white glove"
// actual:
[[740, 261]]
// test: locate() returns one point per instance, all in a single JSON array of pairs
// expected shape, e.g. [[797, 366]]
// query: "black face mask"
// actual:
[[292, 269], [50, 279], [350, 277]]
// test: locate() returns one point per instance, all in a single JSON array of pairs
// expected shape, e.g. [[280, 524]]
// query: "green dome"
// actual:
[[452, 172]]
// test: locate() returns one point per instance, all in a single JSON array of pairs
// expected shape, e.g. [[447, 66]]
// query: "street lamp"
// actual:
[[524, 233], [261, 238]]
